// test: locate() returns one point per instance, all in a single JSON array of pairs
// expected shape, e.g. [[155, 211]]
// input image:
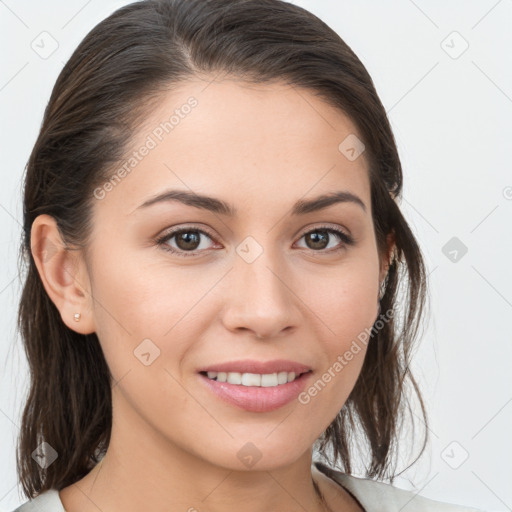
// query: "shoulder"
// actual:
[[47, 501], [378, 496]]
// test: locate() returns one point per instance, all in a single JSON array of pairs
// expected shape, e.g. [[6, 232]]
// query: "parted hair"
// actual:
[[117, 74]]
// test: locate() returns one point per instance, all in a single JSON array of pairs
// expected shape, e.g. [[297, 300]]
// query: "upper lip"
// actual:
[[261, 367]]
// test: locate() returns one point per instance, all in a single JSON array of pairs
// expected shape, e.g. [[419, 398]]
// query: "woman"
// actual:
[[215, 256]]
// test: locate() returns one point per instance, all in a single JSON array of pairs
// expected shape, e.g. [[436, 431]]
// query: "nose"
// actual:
[[260, 298]]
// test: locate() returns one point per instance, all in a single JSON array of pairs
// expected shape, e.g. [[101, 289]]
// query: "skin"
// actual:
[[174, 444]]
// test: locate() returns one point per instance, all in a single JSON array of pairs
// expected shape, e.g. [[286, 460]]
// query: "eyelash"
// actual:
[[346, 239]]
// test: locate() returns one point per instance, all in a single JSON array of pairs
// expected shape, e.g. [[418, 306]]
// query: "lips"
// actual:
[[250, 396], [255, 398], [260, 367]]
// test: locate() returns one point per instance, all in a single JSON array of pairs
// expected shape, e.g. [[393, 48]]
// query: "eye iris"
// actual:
[[321, 237], [189, 238]]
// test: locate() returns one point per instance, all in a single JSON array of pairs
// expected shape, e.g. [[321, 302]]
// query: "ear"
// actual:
[[63, 273], [386, 259]]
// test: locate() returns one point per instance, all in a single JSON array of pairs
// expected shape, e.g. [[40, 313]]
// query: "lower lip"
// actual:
[[255, 398]]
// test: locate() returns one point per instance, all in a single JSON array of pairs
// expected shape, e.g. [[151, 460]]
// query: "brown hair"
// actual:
[[118, 73]]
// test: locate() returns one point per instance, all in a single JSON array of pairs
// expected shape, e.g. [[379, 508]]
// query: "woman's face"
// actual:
[[263, 282]]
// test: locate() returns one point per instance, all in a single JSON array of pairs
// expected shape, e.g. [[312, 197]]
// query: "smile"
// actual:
[[253, 379]]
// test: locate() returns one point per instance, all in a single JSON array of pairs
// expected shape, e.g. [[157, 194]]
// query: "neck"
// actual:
[[142, 470]]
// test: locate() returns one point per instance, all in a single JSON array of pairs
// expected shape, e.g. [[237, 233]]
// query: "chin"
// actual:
[[261, 452]]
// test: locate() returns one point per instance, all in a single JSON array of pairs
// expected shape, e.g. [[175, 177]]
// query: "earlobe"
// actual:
[[63, 274]]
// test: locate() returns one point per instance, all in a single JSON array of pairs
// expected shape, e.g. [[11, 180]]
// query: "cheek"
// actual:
[[344, 300], [137, 300], [145, 325]]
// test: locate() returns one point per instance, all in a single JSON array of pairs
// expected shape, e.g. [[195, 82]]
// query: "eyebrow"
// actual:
[[212, 204]]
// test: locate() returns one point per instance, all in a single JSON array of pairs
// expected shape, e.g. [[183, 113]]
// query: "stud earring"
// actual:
[[77, 317]]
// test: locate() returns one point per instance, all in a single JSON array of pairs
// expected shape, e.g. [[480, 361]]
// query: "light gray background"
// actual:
[[451, 113]]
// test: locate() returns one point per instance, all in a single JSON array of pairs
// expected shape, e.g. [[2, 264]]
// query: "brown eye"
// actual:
[[188, 241], [319, 239]]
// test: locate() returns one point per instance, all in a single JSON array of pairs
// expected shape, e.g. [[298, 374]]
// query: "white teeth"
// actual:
[[282, 377], [234, 378], [253, 379], [270, 379]]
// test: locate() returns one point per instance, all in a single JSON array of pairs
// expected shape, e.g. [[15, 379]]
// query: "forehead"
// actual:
[[244, 142]]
